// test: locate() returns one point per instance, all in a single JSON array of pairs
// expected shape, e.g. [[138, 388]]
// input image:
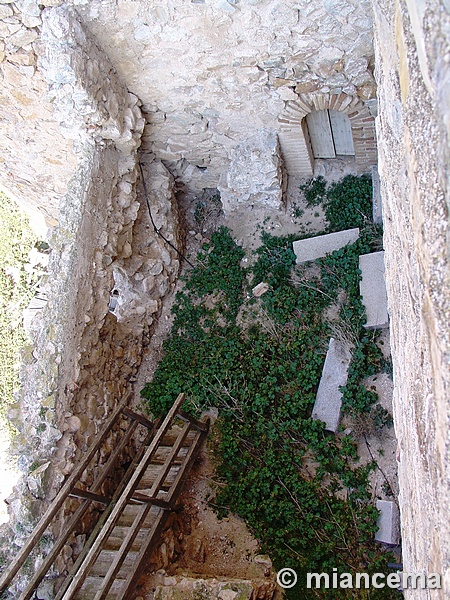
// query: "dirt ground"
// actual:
[[220, 549], [227, 548]]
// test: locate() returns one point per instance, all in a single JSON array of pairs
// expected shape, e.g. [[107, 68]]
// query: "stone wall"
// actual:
[[413, 75], [37, 158], [213, 73], [210, 74], [84, 357]]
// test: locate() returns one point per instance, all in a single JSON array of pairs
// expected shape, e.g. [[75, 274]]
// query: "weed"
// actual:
[[17, 287], [282, 472], [314, 191]]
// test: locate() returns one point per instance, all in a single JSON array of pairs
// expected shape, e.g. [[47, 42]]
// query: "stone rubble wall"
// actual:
[[413, 75], [212, 73], [37, 158], [255, 177], [84, 358]]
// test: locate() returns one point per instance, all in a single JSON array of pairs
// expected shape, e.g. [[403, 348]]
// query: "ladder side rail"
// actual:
[[150, 544], [58, 501], [118, 508], [77, 516], [169, 461], [107, 511], [187, 464], [136, 526], [115, 566]]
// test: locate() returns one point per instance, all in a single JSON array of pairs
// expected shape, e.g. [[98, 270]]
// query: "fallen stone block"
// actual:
[[327, 407], [321, 245], [388, 523], [260, 289], [377, 208], [372, 288]]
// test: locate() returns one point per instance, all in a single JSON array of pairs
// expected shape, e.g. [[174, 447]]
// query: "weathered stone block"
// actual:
[[373, 289], [388, 522], [327, 407], [377, 209], [255, 176], [316, 247], [189, 589]]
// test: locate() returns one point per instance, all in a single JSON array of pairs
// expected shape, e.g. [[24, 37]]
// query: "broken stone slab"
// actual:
[[377, 209], [327, 407], [372, 288], [321, 245], [388, 523], [260, 289]]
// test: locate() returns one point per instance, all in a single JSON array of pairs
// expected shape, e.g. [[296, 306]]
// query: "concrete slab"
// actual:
[[377, 208], [328, 403], [260, 289], [388, 523], [372, 288], [321, 245]]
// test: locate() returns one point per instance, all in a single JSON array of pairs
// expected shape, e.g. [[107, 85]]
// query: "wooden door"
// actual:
[[330, 133], [319, 128], [342, 133]]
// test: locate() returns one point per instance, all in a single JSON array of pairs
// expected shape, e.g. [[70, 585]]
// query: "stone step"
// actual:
[[163, 452], [93, 584], [118, 534], [372, 288], [131, 510], [321, 245], [327, 407], [152, 472], [388, 523], [105, 560]]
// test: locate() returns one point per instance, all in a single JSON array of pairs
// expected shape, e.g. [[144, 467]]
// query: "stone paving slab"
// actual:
[[388, 523], [377, 203], [372, 288], [328, 403], [319, 246]]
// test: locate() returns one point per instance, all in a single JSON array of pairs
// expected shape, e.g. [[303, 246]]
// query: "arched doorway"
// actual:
[[295, 139]]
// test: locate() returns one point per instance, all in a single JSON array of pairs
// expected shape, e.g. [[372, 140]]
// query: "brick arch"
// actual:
[[295, 147]]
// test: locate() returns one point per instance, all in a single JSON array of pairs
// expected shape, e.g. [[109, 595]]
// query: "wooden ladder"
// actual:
[[114, 556]]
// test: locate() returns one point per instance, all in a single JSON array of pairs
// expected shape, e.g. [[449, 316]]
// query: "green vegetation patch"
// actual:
[[347, 203], [300, 488], [17, 287]]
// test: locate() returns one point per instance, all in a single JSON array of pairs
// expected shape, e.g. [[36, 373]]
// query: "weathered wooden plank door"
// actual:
[[342, 133], [319, 128], [330, 133]]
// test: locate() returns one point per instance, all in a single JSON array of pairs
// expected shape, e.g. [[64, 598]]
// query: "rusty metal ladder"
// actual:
[[114, 556]]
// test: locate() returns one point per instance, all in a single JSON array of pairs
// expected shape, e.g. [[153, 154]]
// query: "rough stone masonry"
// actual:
[[85, 84]]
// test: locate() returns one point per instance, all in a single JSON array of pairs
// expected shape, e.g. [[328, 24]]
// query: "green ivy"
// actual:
[[314, 191], [347, 203], [16, 291], [284, 473]]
